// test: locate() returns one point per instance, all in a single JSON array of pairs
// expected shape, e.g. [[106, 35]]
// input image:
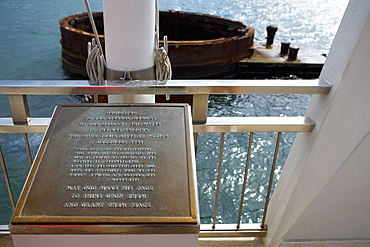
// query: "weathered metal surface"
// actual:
[[271, 30], [272, 62], [200, 45], [113, 164]]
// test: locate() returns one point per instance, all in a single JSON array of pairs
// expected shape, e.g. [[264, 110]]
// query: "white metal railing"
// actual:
[[21, 122]]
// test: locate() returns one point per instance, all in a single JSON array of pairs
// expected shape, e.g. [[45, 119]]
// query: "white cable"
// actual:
[[161, 59], [162, 64], [95, 63]]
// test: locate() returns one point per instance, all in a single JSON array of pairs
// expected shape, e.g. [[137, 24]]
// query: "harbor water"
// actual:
[[30, 50]]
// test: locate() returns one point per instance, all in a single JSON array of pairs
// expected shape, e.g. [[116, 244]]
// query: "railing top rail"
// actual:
[[80, 87]]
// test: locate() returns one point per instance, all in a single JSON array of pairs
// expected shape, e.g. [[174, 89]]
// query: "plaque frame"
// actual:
[[104, 224]]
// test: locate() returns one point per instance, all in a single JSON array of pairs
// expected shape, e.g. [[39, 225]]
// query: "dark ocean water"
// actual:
[[30, 49]]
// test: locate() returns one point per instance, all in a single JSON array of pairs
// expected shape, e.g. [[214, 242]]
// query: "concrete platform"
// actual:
[[268, 63]]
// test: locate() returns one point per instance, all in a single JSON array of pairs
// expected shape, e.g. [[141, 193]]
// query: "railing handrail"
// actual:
[[81, 87]]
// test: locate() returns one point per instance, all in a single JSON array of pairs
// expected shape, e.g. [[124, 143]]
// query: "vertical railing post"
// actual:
[[200, 108], [21, 115], [7, 181], [19, 108], [245, 179], [28, 149], [199, 112], [277, 145], [220, 161]]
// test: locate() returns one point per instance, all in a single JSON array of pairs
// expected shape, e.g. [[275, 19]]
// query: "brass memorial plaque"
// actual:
[[113, 164]]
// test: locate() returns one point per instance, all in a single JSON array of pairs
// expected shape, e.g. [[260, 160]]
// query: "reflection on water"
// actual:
[[235, 152], [234, 162], [312, 22]]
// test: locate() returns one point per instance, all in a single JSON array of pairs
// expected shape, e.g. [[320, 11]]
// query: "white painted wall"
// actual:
[[324, 189]]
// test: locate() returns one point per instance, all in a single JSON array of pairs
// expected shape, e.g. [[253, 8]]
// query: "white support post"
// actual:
[[129, 27]]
